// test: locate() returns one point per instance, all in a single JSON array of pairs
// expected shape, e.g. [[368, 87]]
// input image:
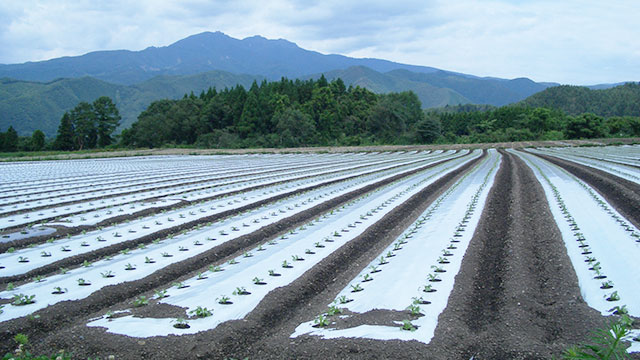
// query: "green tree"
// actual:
[[429, 129], [107, 119], [65, 138], [294, 128], [585, 126], [84, 126], [11, 139], [37, 140]]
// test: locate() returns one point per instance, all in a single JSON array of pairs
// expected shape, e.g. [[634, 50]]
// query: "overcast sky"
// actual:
[[568, 41]]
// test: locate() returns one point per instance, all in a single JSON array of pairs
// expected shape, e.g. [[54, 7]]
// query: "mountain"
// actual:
[[28, 106], [44, 90], [622, 100], [196, 54]]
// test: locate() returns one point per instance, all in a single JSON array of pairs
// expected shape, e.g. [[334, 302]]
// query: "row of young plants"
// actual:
[[624, 154], [213, 178], [625, 171], [93, 217], [243, 282], [141, 262], [165, 192], [414, 276], [54, 250], [597, 238]]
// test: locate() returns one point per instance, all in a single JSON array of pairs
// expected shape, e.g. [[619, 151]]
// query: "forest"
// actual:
[[296, 113]]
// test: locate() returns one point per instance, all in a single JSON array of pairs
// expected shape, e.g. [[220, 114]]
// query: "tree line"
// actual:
[[294, 113], [285, 113]]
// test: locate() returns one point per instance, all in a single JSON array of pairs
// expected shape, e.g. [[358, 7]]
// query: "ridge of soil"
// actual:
[[58, 318], [622, 194], [516, 295]]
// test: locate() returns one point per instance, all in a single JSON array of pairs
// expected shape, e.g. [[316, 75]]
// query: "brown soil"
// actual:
[[516, 296]]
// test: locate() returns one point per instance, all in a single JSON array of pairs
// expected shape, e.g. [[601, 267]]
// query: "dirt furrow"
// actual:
[[60, 316], [516, 295], [622, 194]]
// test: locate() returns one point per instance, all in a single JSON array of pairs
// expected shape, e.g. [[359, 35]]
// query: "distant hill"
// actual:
[[622, 100], [28, 106], [44, 90], [193, 55]]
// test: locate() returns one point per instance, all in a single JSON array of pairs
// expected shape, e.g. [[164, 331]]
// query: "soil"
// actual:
[[515, 297]]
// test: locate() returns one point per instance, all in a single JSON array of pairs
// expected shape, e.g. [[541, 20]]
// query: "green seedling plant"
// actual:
[[63, 270], [240, 290], [83, 282], [285, 264], [356, 288], [408, 326], [321, 321], [38, 278], [129, 267], [180, 323], [160, 294], [58, 290], [22, 299], [213, 268], [107, 274], [23, 259], [233, 262], [613, 296], [606, 343], [223, 300], [343, 299], [414, 309], [140, 301], [334, 309], [201, 312], [258, 281], [201, 276], [45, 254], [179, 285]]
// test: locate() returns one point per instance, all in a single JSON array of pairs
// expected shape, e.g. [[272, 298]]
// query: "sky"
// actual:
[[579, 42]]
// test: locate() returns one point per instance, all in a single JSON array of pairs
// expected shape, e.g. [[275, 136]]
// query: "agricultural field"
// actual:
[[444, 254]]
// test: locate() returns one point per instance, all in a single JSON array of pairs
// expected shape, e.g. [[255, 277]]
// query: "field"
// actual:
[[444, 254]]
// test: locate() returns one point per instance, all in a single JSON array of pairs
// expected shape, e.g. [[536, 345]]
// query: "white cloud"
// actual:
[[572, 41]]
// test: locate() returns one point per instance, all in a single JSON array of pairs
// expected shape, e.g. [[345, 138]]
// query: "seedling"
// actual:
[[334, 310], [374, 269], [408, 326], [159, 294], [38, 278], [321, 321], [382, 261], [442, 260], [343, 299], [247, 254], [366, 277], [215, 268], [83, 282], [58, 290], [613, 296], [129, 267], [180, 323], [180, 285], [258, 281], [428, 288], [140, 301], [86, 263], [22, 299], [233, 262], [124, 251], [318, 245], [419, 301], [309, 252], [297, 258], [63, 270], [240, 291], [390, 254], [620, 310], [414, 309], [23, 259], [224, 300], [433, 277], [182, 248], [286, 265], [438, 269], [273, 273], [201, 276], [148, 260], [356, 288], [606, 284], [166, 254], [201, 312], [45, 254], [65, 248]]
